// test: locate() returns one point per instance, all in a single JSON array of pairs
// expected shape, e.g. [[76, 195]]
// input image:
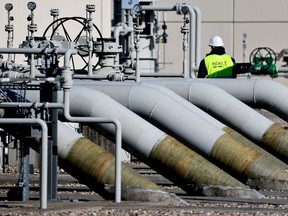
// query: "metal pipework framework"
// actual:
[[67, 82], [194, 28]]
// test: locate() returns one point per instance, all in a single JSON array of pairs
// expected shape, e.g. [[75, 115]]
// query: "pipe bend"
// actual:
[[223, 105], [162, 107], [261, 93], [91, 102], [272, 96], [137, 94]]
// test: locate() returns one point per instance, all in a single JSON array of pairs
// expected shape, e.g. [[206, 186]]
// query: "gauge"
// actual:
[[8, 6], [31, 6], [137, 8]]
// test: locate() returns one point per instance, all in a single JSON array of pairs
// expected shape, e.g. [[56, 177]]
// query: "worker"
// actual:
[[217, 64]]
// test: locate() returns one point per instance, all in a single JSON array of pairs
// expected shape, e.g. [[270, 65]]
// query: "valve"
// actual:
[[9, 28], [263, 60], [182, 8], [90, 8], [32, 27]]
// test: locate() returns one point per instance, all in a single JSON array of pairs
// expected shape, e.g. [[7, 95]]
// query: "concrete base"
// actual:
[[223, 191], [268, 184], [146, 195]]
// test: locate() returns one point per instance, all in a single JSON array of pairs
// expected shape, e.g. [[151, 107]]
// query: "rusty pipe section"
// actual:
[[162, 152], [265, 154], [276, 140], [162, 108], [173, 159], [93, 166]]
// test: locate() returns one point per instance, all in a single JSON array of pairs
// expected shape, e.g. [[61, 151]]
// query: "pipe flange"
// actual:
[[182, 8]]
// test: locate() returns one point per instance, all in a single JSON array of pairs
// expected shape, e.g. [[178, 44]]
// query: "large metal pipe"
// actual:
[[94, 167], [265, 94], [84, 165], [219, 103], [260, 93], [183, 89], [162, 152], [163, 110]]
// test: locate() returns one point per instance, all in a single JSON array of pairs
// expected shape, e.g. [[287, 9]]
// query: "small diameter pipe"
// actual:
[[192, 39], [31, 105], [36, 51], [198, 36], [195, 22], [44, 153], [158, 8], [185, 46], [118, 139]]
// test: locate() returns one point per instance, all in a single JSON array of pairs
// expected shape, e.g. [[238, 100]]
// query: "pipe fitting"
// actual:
[[182, 8]]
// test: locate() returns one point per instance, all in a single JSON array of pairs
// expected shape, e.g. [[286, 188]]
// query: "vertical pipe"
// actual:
[[192, 40], [118, 139], [198, 35], [186, 33], [44, 153], [89, 39]]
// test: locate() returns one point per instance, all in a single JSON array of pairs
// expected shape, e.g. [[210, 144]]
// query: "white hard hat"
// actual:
[[216, 41]]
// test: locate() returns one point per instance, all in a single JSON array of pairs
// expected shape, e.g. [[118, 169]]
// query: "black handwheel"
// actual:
[[66, 27]]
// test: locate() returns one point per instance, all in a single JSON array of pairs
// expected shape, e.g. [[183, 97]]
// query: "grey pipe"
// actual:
[[118, 142], [160, 105], [88, 162], [33, 50], [263, 93], [198, 35], [44, 153], [218, 102], [158, 8], [192, 41], [189, 92], [194, 35], [148, 143], [166, 112]]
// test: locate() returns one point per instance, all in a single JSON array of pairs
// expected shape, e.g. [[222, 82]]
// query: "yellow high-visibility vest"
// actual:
[[218, 66]]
